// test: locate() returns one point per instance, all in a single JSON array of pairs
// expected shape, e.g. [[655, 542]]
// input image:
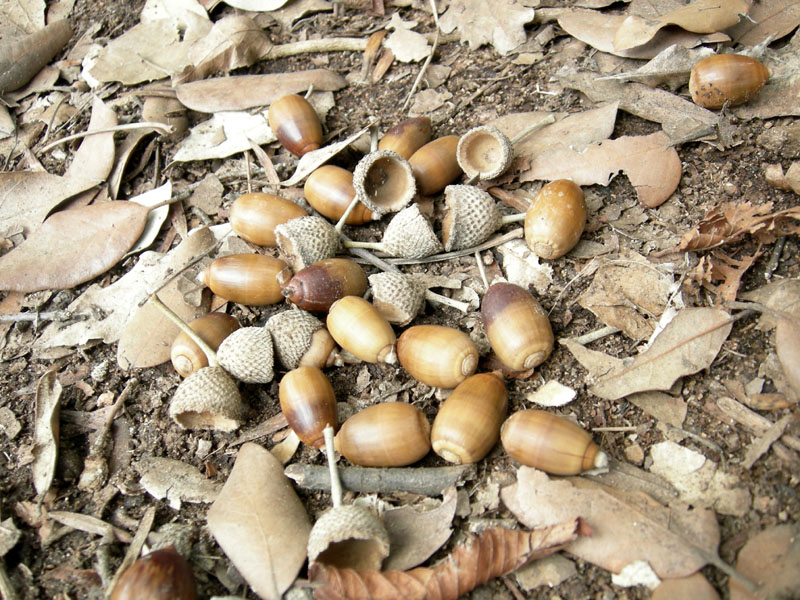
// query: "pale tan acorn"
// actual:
[[384, 181], [307, 240], [484, 152], [436, 355], [207, 399], [398, 297], [408, 235], [472, 216], [348, 537], [247, 355], [300, 339], [359, 328], [186, 356]]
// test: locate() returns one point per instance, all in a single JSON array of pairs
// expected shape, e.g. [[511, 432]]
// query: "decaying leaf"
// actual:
[[176, 481], [787, 347], [21, 59], [768, 19], [770, 560], [94, 158], [256, 5], [671, 67], [689, 343], [45, 437], [725, 269], [73, 246], [494, 553], [500, 23], [156, 216], [522, 267], [782, 295], [407, 45], [260, 523], [626, 526], [650, 162]]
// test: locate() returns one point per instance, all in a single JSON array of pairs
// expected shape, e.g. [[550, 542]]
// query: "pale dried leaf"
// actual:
[[772, 19], [522, 267], [787, 346], [636, 573], [155, 218], [782, 295], [769, 559], [284, 450], [23, 16], [695, 586], [500, 23], [779, 95], [625, 526], [407, 45], [22, 59], [176, 481], [427, 101], [256, 5], [550, 571], [650, 162], [46, 429], [671, 67], [181, 12], [72, 247], [9, 536], [260, 523], [288, 15], [94, 158], [552, 393], [688, 344]]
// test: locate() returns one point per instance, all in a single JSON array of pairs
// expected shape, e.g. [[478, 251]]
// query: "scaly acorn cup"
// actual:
[[398, 297], [300, 338], [472, 216], [384, 181], [247, 355], [307, 240], [408, 235]]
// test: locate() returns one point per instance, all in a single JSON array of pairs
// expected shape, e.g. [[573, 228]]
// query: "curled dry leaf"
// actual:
[[73, 246], [21, 59], [45, 437], [493, 553]]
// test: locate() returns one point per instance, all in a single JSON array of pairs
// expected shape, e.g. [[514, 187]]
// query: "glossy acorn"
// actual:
[[517, 326], [319, 285], [249, 279], [254, 216], [555, 219], [391, 434], [467, 425], [329, 190], [186, 356], [358, 327], [160, 575], [296, 124], [726, 78], [553, 444], [435, 165], [308, 403], [407, 137], [436, 355]]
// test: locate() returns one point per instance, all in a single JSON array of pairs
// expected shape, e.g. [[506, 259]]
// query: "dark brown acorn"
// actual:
[[407, 137], [254, 216], [296, 124], [319, 285], [161, 575], [435, 165], [308, 403], [249, 279], [329, 190], [186, 356]]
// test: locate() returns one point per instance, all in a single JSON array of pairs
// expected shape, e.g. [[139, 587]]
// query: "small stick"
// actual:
[[333, 473], [548, 120], [53, 315], [164, 129], [309, 46], [247, 170], [211, 355], [775, 258], [592, 336], [481, 269], [491, 243], [136, 545], [428, 60]]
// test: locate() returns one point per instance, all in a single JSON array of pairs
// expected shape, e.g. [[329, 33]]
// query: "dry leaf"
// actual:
[[256, 5], [73, 246], [689, 343], [522, 267], [247, 91], [260, 523], [22, 16], [9, 536], [500, 23], [650, 162], [124, 152], [94, 158], [728, 270], [176, 481], [701, 16], [407, 45], [787, 347], [771, 19], [21, 59], [779, 95], [46, 429], [626, 526], [695, 587], [415, 535], [494, 553], [671, 67], [155, 218], [769, 559], [552, 393], [782, 295]]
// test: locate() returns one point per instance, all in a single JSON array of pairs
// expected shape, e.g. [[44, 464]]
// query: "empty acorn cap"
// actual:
[[398, 297], [484, 152], [349, 537], [247, 356], [207, 399], [471, 218], [409, 235], [295, 334], [384, 181], [307, 240]]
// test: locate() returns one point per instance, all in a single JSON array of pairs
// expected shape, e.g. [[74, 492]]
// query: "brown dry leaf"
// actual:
[[782, 295], [650, 162], [729, 271], [21, 59], [689, 343], [73, 246], [776, 18], [493, 553], [626, 526], [670, 68], [260, 523], [176, 481], [256, 5], [500, 23], [787, 347], [769, 559], [45, 437], [247, 91], [94, 159], [701, 16]]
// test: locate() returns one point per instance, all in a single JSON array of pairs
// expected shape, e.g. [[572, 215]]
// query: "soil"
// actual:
[[56, 562]]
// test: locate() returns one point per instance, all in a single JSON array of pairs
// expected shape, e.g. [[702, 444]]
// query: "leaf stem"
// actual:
[[164, 129]]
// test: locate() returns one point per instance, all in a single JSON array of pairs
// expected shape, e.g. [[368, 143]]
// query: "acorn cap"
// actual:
[[398, 297], [307, 240], [207, 399], [471, 218], [410, 235], [293, 335], [384, 181], [349, 537], [247, 356], [484, 152]]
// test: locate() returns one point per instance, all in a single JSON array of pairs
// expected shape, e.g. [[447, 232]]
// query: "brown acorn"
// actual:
[[308, 403], [296, 124], [329, 190], [186, 356], [384, 181], [307, 240], [555, 219], [319, 285], [160, 575], [435, 165], [436, 355], [407, 137], [254, 216], [248, 279], [299, 339], [359, 328], [726, 79]]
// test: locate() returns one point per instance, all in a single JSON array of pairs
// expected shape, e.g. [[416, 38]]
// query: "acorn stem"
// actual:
[[434, 297], [350, 208], [531, 128], [481, 269], [368, 245], [506, 219], [336, 484], [211, 355]]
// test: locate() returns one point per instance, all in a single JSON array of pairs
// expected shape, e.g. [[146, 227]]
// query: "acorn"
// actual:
[[436, 355], [555, 219], [435, 165], [299, 339], [186, 356], [319, 285], [329, 190], [296, 124], [160, 575], [407, 137], [730, 79], [254, 216], [468, 423], [359, 328], [248, 279], [408, 235], [207, 399], [391, 434], [247, 355], [308, 403], [472, 216], [550, 443], [398, 297], [307, 240], [384, 181], [517, 326]]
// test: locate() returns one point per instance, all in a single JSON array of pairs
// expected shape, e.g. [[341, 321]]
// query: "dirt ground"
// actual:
[[69, 565]]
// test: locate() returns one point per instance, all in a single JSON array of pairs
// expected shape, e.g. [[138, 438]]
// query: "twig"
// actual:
[[53, 315], [428, 60], [775, 258], [593, 336], [491, 243], [165, 129], [481, 269], [310, 46]]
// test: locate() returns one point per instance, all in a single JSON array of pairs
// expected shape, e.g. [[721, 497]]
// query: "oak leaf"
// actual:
[[500, 23]]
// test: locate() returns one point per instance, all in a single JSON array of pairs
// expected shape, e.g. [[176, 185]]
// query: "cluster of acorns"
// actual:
[[469, 421]]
